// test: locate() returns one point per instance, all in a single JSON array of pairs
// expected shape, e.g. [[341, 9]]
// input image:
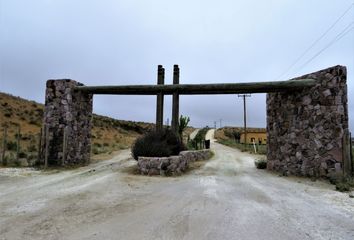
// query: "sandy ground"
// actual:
[[227, 198]]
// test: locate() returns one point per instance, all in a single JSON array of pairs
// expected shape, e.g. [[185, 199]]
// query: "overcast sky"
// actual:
[[115, 42]]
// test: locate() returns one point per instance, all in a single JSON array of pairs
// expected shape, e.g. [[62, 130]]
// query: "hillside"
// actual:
[[108, 134]]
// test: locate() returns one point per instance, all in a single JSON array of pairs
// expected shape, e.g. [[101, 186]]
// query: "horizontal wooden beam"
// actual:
[[190, 89]]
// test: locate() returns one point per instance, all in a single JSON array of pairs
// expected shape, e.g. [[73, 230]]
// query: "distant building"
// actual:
[[258, 136]]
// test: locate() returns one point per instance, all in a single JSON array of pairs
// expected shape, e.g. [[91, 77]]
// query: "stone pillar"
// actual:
[[70, 110], [305, 128]]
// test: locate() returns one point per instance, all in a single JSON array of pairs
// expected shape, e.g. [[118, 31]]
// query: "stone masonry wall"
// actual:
[[70, 110], [305, 128], [173, 165]]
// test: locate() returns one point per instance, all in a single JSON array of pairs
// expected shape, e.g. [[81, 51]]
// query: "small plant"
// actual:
[[261, 163], [22, 155], [236, 135], [183, 123], [162, 143], [33, 121], [8, 114], [343, 184], [96, 150], [11, 146], [31, 148]]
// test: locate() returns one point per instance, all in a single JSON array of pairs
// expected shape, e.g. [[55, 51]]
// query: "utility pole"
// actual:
[[244, 117], [215, 124]]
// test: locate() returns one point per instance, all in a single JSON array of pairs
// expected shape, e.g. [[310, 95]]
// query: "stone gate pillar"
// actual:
[[305, 128], [66, 124]]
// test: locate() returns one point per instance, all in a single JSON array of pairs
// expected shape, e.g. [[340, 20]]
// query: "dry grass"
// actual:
[[108, 135], [223, 139]]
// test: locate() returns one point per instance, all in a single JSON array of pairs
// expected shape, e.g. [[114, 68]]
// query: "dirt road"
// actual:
[[225, 199], [193, 134]]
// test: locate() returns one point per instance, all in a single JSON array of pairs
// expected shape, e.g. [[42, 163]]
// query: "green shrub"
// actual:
[[261, 164], [343, 183], [162, 143], [22, 155], [233, 135], [342, 186], [11, 146], [32, 148], [8, 114], [96, 150]]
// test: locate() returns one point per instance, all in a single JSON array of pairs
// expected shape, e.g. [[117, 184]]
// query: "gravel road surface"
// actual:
[[227, 198]]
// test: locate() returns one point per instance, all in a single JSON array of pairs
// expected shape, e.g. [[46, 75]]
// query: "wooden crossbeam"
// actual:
[[194, 89]]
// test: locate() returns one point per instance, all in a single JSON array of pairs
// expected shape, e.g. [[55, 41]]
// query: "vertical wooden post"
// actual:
[[175, 101], [39, 146], [160, 98], [65, 135], [46, 146], [4, 145], [347, 163], [245, 119], [351, 154], [18, 142]]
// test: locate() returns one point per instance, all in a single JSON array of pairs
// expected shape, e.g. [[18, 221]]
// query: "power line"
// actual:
[[345, 31], [316, 41]]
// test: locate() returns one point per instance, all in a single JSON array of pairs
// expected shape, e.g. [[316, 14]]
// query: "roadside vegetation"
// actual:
[[18, 114], [163, 143], [261, 163], [260, 149], [198, 141], [183, 124], [231, 137], [343, 184]]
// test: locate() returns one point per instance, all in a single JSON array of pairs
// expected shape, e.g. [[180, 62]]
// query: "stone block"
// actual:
[[318, 124], [173, 165]]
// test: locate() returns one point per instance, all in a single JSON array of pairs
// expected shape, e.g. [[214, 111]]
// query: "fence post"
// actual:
[[65, 135], [347, 163], [40, 146], [4, 143], [351, 153], [46, 146], [18, 142]]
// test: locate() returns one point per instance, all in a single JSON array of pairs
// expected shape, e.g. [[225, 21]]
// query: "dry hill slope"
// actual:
[[108, 134]]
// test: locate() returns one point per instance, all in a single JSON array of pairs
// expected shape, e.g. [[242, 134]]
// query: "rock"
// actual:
[[173, 165], [306, 100], [305, 128]]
